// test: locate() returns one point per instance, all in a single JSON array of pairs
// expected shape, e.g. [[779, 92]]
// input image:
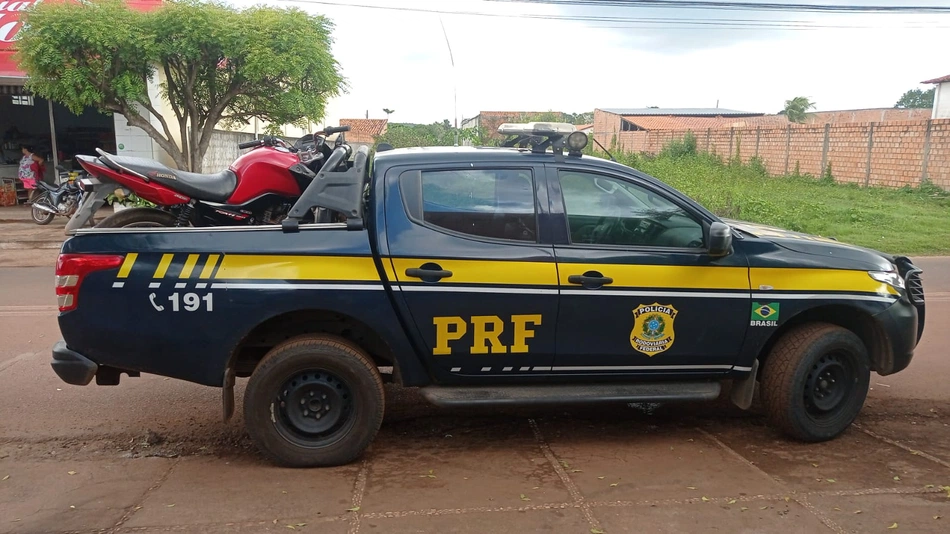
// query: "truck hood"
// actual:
[[863, 258]]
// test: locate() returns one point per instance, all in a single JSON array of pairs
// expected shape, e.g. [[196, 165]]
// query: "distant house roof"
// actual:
[[942, 79], [681, 112], [364, 130]]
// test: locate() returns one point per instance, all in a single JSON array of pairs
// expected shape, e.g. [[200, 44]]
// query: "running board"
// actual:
[[447, 396]]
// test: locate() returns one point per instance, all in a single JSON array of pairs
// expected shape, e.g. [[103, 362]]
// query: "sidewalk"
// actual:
[[23, 243]]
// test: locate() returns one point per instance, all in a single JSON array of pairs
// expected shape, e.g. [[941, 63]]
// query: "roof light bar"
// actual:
[[536, 128]]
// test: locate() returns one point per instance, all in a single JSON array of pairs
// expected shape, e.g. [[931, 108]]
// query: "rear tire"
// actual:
[[815, 381], [139, 218], [314, 400], [39, 216]]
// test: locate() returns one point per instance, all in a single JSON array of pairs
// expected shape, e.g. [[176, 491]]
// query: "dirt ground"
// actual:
[[152, 455]]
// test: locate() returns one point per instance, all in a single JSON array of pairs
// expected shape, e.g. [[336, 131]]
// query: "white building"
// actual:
[[941, 97]]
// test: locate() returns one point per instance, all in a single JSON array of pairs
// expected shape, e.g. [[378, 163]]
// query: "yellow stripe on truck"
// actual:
[[248, 267], [817, 280], [662, 276], [127, 265], [189, 266], [520, 273], [210, 264], [163, 265]]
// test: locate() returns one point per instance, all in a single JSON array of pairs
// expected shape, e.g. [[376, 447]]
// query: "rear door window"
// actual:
[[488, 203]]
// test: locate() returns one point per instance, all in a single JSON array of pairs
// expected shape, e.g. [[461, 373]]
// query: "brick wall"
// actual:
[[868, 115], [886, 154]]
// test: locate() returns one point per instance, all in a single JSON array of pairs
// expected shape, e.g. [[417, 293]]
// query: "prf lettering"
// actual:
[[485, 332]]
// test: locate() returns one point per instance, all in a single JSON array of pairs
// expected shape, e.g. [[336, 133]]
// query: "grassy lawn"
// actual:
[[905, 221]]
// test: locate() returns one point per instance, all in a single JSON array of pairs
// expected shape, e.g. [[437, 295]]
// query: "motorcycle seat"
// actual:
[[210, 187]]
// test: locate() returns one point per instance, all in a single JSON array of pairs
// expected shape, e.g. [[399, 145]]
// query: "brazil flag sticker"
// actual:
[[764, 314]]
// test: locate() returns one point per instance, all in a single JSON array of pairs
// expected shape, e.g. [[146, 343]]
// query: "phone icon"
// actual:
[[157, 307]]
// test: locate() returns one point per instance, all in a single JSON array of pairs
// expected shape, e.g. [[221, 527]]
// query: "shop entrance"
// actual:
[[51, 130]]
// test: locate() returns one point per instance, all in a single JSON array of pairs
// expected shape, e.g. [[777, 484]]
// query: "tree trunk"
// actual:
[[135, 119]]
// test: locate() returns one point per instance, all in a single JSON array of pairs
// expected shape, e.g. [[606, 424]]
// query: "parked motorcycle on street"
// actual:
[[50, 201], [260, 187]]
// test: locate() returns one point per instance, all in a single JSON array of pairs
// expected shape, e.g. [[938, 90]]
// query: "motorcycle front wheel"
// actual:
[[39, 216]]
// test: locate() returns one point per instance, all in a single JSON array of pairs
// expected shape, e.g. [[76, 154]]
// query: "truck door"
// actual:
[[639, 292], [471, 268]]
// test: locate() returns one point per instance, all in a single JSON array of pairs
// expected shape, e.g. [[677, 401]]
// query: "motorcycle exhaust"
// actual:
[[46, 208]]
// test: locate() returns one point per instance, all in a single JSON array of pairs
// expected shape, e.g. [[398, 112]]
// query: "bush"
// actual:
[[757, 166], [826, 176], [679, 148]]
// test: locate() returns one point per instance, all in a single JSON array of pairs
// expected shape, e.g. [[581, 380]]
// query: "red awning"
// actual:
[[10, 25]]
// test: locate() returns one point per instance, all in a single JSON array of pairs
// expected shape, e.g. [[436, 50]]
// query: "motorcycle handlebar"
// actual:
[[335, 129], [251, 144]]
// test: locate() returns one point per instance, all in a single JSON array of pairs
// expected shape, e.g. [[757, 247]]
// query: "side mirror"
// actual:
[[720, 239]]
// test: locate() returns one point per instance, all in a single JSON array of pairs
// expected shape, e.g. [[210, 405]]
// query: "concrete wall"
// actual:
[[942, 102]]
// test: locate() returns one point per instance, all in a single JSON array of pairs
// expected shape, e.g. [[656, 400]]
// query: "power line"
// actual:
[[666, 23], [740, 6]]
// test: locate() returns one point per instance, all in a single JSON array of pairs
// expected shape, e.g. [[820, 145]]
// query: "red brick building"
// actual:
[[364, 131]]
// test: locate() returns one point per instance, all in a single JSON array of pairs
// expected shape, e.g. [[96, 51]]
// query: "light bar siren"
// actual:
[[536, 128], [543, 135]]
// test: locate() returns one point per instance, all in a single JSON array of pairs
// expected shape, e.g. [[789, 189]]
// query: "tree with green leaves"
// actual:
[[580, 118], [388, 112], [796, 109], [401, 135], [215, 64], [916, 98]]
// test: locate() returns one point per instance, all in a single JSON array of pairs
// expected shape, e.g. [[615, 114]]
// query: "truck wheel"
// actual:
[[314, 400], [815, 380], [139, 218]]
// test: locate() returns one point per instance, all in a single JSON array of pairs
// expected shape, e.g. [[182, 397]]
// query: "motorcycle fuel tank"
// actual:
[[264, 170]]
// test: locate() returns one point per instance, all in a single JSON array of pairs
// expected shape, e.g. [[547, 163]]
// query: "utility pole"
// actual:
[[455, 92]]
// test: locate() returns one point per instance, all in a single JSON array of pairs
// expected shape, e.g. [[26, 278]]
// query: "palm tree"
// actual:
[[388, 112], [797, 108]]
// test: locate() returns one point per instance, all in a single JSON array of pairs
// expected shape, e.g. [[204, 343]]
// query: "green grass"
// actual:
[[897, 221]]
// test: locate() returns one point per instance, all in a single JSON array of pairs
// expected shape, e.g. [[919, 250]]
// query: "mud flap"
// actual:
[[743, 390], [227, 394]]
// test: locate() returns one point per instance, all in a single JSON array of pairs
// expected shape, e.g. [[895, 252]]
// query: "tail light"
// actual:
[[71, 269]]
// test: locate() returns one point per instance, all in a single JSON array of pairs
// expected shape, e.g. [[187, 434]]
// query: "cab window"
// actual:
[[607, 211], [492, 203]]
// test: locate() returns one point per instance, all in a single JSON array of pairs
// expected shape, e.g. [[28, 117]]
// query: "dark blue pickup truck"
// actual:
[[486, 276]]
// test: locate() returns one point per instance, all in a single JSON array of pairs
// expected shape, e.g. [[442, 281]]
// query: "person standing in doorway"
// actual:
[[38, 166], [27, 174]]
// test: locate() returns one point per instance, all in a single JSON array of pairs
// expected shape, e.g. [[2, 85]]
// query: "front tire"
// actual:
[[39, 216], [139, 218], [815, 381], [315, 400]]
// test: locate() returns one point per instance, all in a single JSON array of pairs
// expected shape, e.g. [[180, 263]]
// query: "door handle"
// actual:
[[428, 272], [590, 279]]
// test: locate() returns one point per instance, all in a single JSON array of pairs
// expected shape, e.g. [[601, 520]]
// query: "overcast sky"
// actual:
[[399, 59]]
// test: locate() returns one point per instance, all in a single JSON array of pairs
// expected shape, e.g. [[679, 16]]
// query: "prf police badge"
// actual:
[[653, 328]]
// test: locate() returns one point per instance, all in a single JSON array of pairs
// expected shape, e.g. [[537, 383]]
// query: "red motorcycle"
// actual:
[[260, 187]]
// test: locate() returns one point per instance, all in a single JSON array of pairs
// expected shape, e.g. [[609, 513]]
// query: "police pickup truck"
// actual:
[[524, 274]]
